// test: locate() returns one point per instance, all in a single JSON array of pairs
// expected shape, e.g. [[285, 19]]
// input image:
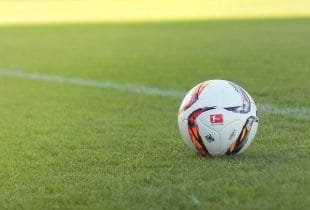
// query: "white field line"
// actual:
[[269, 108], [195, 200], [92, 83]]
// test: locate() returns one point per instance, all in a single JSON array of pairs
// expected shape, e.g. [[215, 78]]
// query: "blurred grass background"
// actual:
[[57, 11]]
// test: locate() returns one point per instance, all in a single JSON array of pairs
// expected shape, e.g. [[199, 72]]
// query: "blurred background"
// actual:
[[60, 11]]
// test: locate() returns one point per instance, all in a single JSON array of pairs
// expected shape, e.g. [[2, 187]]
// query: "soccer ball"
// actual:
[[218, 118]]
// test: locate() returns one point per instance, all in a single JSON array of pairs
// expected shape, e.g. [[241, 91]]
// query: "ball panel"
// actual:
[[193, 96], [183, 126], [230, 134], [210, 138], [251, 136], [246, 100], [244, 137], [220, 93], [195, 133], [217, 119]]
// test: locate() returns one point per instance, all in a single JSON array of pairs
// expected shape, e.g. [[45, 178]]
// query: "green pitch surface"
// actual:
[[74, 147]]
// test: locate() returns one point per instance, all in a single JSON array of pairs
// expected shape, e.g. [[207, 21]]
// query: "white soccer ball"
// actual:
[[218, 118]]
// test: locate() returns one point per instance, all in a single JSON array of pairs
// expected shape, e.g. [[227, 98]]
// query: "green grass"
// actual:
[[71, 147]]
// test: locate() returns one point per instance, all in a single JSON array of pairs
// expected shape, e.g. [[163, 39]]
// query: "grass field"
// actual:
[[75, 147]]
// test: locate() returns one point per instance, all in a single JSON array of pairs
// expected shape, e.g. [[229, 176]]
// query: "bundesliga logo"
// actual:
[[216, 118]]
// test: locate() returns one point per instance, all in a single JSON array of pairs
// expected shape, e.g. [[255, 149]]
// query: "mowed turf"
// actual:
[[71, 147]]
